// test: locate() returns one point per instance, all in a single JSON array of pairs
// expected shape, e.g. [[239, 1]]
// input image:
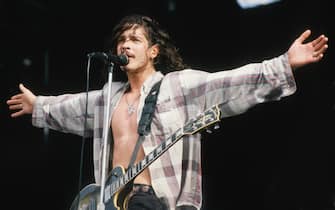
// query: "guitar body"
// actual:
[[89, 196], [119, 200], [87, 199]]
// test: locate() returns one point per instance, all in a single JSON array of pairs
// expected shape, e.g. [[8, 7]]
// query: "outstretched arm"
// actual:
[[22, 103], [300, 54]]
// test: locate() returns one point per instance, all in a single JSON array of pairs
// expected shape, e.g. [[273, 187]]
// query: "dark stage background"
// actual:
[[278, 155]]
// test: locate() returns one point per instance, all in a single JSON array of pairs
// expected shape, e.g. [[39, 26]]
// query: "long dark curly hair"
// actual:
[[168, 58]]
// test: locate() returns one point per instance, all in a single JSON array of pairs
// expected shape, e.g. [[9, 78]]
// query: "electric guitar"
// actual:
[[119, 181]]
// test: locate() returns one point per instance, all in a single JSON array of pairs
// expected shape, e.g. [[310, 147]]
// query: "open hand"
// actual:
[[22, 103], [300, 54]]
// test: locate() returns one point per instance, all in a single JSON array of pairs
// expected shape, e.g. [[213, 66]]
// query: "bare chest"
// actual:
[[124, 127]]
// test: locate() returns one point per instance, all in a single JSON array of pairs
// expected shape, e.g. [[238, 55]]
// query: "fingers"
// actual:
[[22, 102], [320, 43], [16, 106], [304, 36], [15, 103], [319, 54], [317, 57], [16, 97], [17, 114], [320, 46]]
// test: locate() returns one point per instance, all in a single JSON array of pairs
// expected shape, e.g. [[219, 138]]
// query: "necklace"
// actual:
[[131, 108]]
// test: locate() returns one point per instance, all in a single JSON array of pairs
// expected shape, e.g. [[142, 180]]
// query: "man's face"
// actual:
[[134, 43]]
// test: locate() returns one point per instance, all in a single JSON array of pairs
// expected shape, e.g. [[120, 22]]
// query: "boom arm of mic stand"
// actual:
[[101, 205]]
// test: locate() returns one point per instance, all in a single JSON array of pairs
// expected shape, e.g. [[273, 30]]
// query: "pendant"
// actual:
[[131, 109]]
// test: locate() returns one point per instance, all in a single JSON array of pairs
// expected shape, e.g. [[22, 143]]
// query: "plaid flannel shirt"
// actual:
[[176, 175]]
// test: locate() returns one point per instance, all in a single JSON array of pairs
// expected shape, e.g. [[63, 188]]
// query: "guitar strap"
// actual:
[[144, 125]]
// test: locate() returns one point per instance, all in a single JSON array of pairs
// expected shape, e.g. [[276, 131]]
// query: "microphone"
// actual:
[[121, 59]]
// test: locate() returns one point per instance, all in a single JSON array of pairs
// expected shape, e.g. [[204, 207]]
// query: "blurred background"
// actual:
[[278, 155]]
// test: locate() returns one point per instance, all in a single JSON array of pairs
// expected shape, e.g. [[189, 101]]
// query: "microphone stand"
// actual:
[[101, 205]]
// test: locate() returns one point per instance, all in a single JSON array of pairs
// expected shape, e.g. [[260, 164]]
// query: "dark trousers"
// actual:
[[143, 197]]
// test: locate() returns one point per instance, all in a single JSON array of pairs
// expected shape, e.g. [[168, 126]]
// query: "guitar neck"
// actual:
[[154, 154]]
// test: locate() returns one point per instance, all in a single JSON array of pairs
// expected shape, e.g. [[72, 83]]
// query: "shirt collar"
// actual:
[[150, 81]]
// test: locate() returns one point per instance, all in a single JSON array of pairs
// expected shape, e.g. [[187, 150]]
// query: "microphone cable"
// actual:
[[84, 132]]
